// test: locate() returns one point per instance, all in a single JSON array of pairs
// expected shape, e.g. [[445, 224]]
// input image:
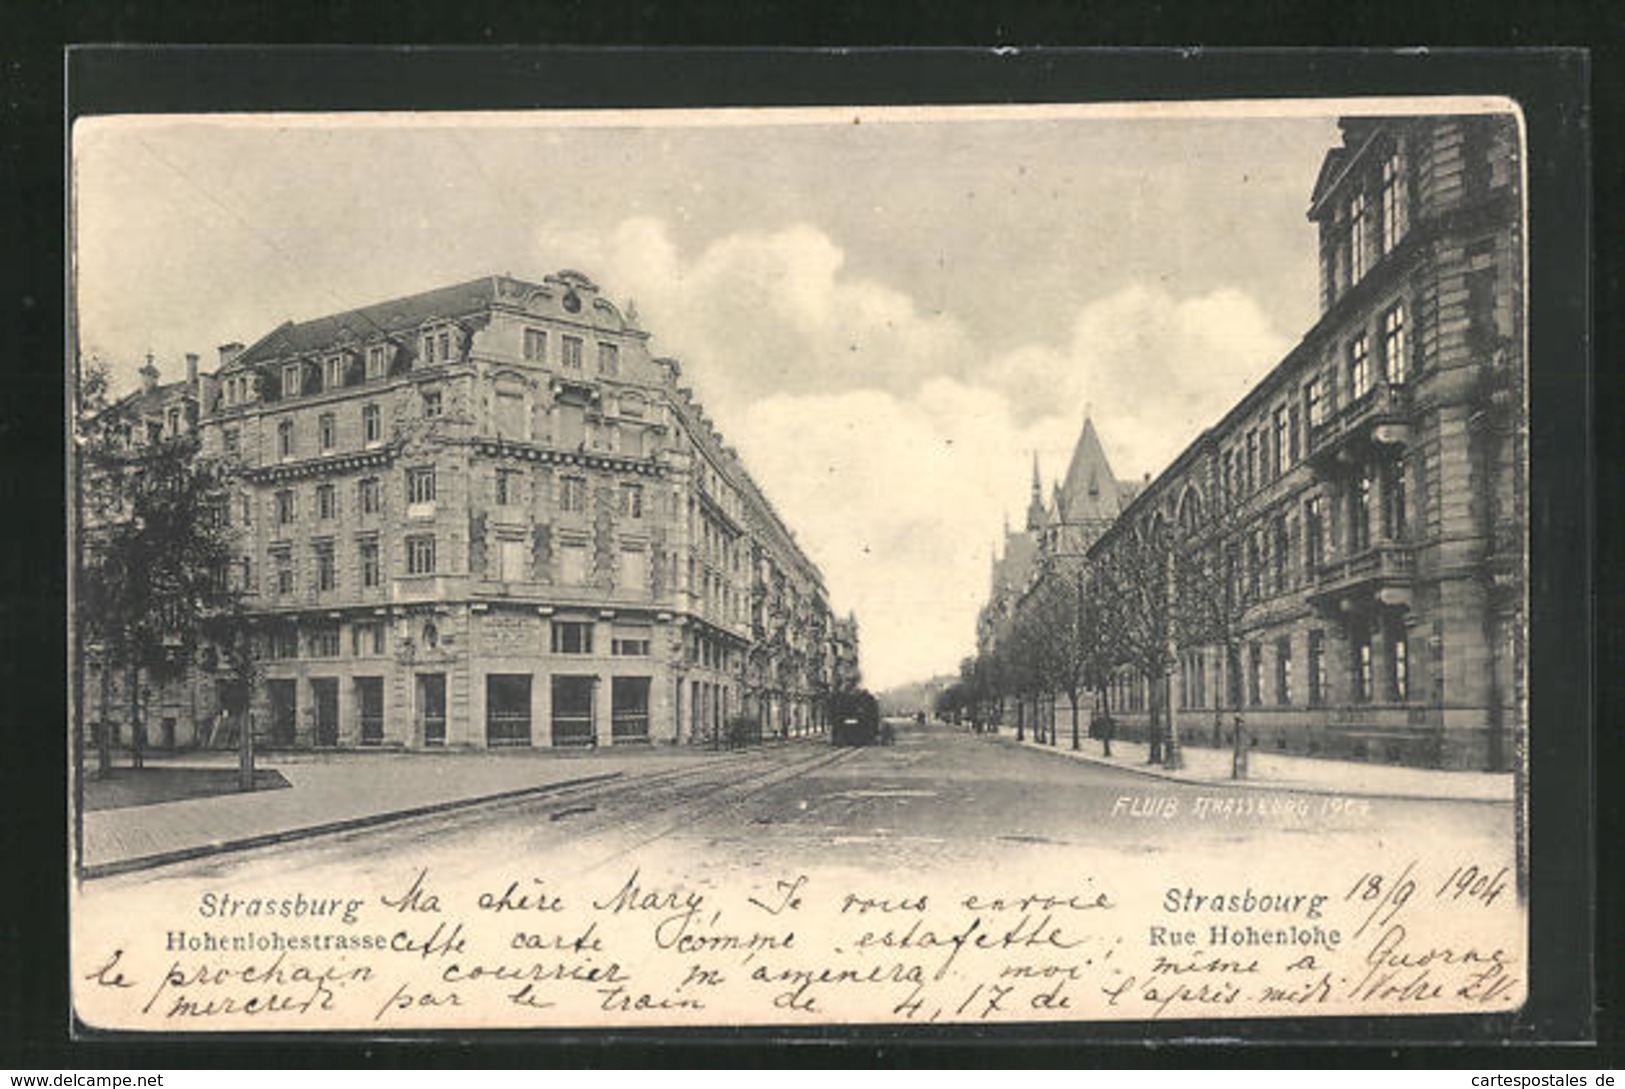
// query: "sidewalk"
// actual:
[[1300, 774], [331, 792]]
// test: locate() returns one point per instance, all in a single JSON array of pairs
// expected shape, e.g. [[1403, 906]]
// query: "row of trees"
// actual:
[[152, 599], [1130, 606]]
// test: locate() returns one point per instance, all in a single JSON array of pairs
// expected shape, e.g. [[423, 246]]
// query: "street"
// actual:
[[949, 876], [939, 799]]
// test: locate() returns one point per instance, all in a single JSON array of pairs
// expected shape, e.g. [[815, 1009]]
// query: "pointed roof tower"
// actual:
[[1090, 489], [1035, 505]]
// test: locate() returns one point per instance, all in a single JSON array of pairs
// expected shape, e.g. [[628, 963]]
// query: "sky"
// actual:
[[888, 313]]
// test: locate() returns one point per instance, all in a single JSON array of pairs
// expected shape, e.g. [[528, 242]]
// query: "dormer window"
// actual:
[[377, 361], [290, 380], [333, 372], [437, 346]]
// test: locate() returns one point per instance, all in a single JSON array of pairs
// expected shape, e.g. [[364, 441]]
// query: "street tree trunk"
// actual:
[[136, 746], [1077, 740]]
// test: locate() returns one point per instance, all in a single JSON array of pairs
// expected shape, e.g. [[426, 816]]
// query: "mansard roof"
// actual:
[[395, 317]]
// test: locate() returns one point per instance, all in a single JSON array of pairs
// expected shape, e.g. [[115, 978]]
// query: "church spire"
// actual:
[[1035, 506]]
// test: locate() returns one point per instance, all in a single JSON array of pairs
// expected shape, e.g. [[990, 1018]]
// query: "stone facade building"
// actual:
[[487, 516], [1363, 509]]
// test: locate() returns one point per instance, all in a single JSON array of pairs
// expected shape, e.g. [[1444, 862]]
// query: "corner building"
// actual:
[[1368, 498], [486, 516]]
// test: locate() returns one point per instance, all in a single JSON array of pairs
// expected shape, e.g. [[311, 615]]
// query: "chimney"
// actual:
[[149, 376], [229, 352], [191, 371]]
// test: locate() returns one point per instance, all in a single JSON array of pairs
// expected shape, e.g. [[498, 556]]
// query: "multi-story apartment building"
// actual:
[[156, 412], [485, 515], [1366, 501]]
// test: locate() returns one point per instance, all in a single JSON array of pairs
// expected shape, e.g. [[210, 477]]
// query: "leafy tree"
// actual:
[[152, 550]]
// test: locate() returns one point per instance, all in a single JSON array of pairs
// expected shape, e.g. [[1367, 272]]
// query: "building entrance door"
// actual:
[[572, 711], [284, 710], [629, 710], [369, 697], [326, 691], [432, 707]]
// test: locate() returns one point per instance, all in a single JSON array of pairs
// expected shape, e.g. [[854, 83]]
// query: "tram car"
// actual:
[[854, 719]]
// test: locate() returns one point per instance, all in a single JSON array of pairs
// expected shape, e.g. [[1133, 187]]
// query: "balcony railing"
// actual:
[[1371, 415], [1385, 566]]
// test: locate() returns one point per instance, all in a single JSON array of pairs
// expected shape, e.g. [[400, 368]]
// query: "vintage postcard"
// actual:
[[902, 566]]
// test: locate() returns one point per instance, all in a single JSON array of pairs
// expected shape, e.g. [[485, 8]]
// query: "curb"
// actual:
[[370, 820], [1252, 784]]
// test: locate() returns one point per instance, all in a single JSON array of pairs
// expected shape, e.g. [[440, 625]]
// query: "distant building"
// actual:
[[1365, 504], [486, 516]]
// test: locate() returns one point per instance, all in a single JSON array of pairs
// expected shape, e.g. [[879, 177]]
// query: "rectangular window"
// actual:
[[420, 485], [1402, 669], [445, 347], [634, 569], [1294, 441], [284, 507], [1227, 486], [1255, 674], [431, 404], [370, 573], [1255, 566], [1314, 401], [510, 415], [327, 431], [284, 438], [1393, 343], [1278, 449], [1395, 213], [1252, 462], [507, 487], [629, 710], [1359, 368], [1360, 512], [174, 421], [1280, 551], [512, 560], [573, 563], [428, 349], [1314, 529], [572, 637], [572, 494], [1397, 516], [571, 349], [366, 638], [367, 495], [327, 503], [1362, 669], [420, 555], [371, 423], [632, 500], [535, 346], [290, 380], [609, 360], [333, 372], [233, 440], [377, 361], [631, 641], [1357, 237], [1317, 667], [282, 559], [282, 642], [1283, 671], [325, 574], [324, 641]]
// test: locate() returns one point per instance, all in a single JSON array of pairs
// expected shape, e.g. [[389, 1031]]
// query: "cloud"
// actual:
[[1153, 369], [760, 313]]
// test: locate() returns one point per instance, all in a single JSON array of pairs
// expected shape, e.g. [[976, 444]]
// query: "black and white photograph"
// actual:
[[958, 566]]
